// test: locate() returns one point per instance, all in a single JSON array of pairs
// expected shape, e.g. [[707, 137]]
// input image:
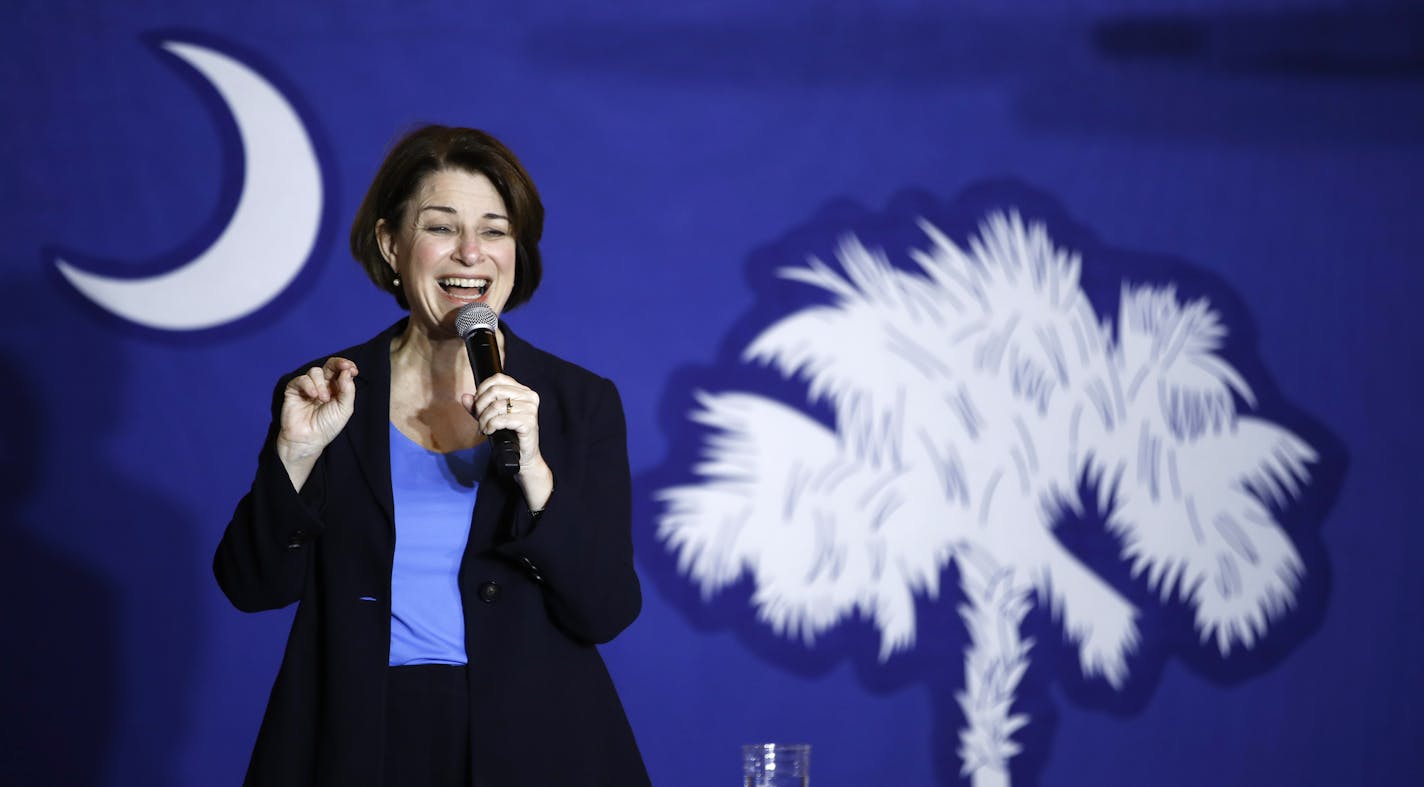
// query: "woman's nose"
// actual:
[[469, 249]]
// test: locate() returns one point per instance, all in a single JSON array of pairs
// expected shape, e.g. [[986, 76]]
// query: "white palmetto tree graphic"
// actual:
[[970, 397]]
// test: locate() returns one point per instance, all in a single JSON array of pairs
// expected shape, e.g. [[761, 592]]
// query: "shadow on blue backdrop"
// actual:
[[60, 686], [96, 566], [1337, 77], [937, 658]]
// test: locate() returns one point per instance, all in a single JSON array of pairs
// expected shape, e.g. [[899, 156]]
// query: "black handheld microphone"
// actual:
[[476, 323]]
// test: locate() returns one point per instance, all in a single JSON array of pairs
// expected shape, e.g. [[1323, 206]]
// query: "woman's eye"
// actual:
[[440, 228], [491, 232]]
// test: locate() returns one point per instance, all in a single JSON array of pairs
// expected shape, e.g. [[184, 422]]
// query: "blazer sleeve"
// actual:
[[262, 561], [580, 547]]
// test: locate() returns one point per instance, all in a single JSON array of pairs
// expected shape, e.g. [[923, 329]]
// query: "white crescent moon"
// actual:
[[271, 233]]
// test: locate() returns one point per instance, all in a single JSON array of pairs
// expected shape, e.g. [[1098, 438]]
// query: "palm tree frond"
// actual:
[[1201, 529], [821, 532], [1279, 475], [744, 476], [878, 355], [957, 276], [1168, 348], [1040, 333], [819, 274], [1092, 613]]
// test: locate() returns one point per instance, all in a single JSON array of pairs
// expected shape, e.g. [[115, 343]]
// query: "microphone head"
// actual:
[[475, 316]]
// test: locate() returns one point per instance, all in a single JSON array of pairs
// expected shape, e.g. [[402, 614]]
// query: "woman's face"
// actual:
[[453, 247]]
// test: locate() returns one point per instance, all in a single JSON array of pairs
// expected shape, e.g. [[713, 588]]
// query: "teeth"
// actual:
[[451, 281]]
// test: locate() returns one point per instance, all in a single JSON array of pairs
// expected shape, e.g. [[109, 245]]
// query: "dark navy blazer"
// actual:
[[538, 596]]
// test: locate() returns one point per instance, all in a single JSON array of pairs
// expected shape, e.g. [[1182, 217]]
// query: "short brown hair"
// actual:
[[430, 149]]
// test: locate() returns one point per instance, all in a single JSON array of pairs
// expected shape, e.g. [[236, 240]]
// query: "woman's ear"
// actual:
[[386, 242]]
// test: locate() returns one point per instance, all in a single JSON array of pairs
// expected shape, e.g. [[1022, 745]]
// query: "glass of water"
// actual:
[[776, 765]]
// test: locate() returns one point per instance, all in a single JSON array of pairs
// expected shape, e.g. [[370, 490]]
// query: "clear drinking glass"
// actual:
[[776, 765]]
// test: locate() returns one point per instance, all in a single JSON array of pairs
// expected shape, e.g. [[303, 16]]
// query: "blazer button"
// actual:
[[489, 591]]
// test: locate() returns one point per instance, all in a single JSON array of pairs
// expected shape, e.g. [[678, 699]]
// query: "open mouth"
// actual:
[[464, 288]]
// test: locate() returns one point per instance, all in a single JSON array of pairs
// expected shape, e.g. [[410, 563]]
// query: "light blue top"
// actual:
[[435, 500]]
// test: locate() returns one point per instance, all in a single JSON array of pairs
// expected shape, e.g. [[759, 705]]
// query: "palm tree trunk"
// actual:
[[988, 776], [994, 664]]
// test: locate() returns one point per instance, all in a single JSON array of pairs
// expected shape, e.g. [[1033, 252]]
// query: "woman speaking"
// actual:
[[447, 612]]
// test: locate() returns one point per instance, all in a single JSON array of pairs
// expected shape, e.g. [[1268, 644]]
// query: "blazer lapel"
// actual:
[[369, 428]]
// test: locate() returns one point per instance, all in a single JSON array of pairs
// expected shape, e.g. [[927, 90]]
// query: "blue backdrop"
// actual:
[[1264, 156]]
